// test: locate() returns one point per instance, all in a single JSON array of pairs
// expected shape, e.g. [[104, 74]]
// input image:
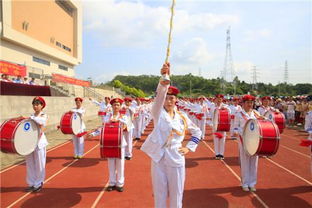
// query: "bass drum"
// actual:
[[19, 135], [261, 137]]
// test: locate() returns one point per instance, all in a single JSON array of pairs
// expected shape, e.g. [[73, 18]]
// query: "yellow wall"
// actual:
[[46, 21]]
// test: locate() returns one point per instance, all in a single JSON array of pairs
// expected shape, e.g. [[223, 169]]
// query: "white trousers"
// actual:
[[35, 167], [137, 128], [219, 144], [78, 145], [202, 126], [128, 148], [249, 167], [166, 181], [116, 169], [232, 128]]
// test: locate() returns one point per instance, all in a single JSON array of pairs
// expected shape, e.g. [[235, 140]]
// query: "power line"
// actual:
[[286, 73], [254, 78]]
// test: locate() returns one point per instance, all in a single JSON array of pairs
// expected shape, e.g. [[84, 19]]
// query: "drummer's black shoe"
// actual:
[[128, 158], [119, 189], [36, 190], [29, 189], [221, 157], [137, 138], [110, 188]]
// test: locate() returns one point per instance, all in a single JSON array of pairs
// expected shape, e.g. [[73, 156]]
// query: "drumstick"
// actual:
[[87, 132]]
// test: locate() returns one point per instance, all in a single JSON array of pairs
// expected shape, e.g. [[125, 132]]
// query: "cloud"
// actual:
[[133, 24], [192, 54], [243, 70], [109, 75], [251, 35]]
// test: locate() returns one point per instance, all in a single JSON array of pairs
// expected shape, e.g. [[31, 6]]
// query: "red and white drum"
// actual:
[[278, 118], [221, 120], [101, 113], [261, 137], [123, 111], [110, 141], [71, 123], [19, 135]]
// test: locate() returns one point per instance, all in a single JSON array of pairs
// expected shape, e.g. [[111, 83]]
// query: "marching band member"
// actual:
[[36, 161], [138, 120], [164, 145], [79, 141], [202, 121], [265, 107], [308, 122], [219, 143], [128, 134], [308, 118], [116, 166], [248, 164], [104, 105], [291, 104], [234, 109]]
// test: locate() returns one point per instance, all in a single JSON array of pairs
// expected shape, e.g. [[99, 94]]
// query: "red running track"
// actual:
[[284, 180]]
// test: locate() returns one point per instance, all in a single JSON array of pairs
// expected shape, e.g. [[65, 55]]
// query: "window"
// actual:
[[65, 6], [41, 61], [63, 67], [34, 75], [58, 44], [63, 46]]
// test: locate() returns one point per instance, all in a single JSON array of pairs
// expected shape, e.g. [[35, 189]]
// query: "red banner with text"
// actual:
[[12, 69], [70, 80]]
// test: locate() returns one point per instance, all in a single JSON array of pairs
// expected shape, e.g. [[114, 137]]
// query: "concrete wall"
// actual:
[[14, 106]]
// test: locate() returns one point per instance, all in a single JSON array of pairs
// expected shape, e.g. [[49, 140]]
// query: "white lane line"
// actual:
[[289, 171], [98, 198], [307, 156], [22, 162], [51, 177], [237, 177], [289, 137]]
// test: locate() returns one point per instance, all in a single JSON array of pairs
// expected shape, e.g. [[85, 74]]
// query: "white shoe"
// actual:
[[245, 188], [253, 189]]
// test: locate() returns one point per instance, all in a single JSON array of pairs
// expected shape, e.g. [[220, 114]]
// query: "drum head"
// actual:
[[251, 137], [215, 120], [269, 115], [76, 123], [26, 137]]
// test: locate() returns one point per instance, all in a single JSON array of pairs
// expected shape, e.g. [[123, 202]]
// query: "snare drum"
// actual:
[[71, 123], [110, 141], [221, 120], [278, 118], [261, 137], [19, 135]]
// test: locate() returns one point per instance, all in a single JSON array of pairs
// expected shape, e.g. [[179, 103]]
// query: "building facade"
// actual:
[[45, 36]]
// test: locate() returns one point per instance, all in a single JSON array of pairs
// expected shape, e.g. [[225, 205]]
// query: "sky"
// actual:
[[130, 37]]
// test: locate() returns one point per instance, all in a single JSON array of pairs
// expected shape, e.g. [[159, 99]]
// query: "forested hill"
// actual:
[[196, 85]]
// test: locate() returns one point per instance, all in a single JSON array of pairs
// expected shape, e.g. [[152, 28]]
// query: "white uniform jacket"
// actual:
[[308, 124], [240, 120], [262, 110], [159, 143], [41, 120], [123, 119], [81, 111]]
